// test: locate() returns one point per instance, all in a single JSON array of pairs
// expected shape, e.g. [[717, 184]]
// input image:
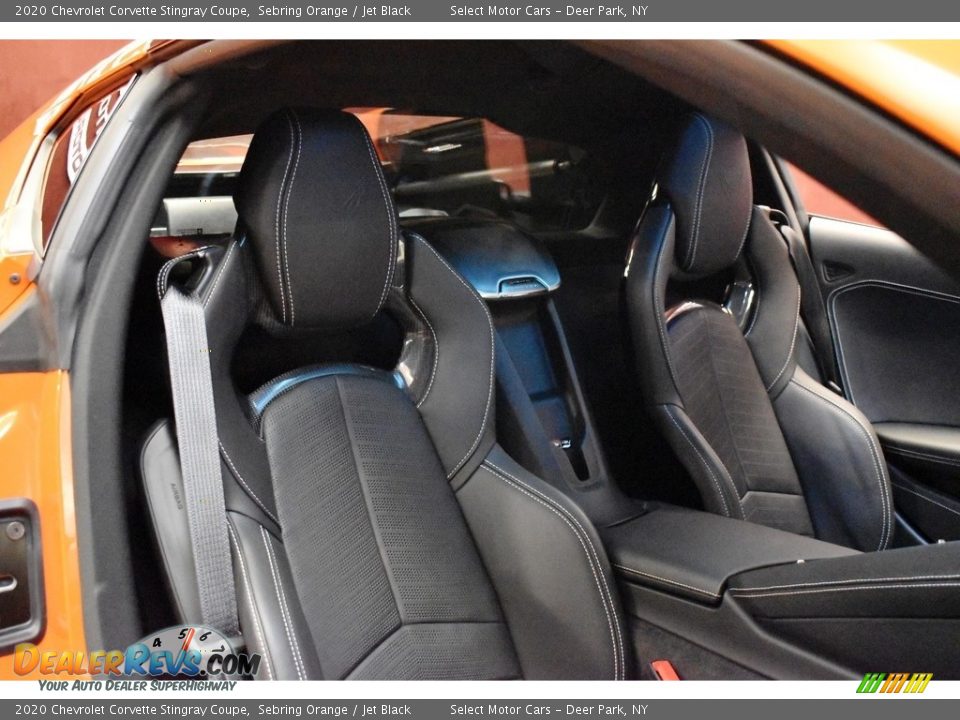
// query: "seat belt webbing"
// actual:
[[196, 425]]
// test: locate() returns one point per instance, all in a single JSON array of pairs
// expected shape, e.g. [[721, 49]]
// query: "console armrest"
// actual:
[[914, 582], [693, 554]]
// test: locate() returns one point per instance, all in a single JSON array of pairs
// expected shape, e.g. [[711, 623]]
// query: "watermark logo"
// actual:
[[190, 651], [895, 682]]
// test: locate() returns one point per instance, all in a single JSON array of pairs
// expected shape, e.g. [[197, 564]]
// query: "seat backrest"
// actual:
[[761, 439], [378, 531]]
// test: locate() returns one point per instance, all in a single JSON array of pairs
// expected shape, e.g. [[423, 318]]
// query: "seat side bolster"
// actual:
[[270, 615], [550, 571], [850, 501], [716, 487]]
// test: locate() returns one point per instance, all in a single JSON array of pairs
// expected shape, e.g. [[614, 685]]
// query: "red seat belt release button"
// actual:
[[663, 670]]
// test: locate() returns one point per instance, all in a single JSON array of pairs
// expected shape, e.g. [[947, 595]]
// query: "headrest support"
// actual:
[[314, 204], [707, 180]]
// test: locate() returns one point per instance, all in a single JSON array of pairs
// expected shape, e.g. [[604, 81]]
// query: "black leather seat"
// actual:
[[763, 441], [378, 530]]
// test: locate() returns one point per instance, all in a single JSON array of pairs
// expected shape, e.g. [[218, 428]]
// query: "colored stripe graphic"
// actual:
[[894, 683]]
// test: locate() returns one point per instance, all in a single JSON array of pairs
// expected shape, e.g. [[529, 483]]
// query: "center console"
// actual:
[[724, 598]]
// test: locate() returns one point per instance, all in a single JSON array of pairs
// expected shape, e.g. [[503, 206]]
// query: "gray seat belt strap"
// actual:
[[196, 424]]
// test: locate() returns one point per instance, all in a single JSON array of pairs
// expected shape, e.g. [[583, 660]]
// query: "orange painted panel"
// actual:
[[917, 81], [35, 462], [12, 267]]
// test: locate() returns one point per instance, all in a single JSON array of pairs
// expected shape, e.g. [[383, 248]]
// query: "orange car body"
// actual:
[[916, 82]]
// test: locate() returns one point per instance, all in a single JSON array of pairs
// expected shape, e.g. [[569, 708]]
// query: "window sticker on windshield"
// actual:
[[87, 128]]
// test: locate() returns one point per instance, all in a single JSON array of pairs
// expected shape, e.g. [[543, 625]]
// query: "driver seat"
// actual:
[[378, 531]]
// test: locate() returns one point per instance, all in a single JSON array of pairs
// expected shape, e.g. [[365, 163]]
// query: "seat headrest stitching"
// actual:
[[286, 211], [391, 217], [704, 172], [216, 280], [283, 182]]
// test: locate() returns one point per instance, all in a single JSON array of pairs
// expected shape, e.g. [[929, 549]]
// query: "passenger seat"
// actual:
[[763, 441]]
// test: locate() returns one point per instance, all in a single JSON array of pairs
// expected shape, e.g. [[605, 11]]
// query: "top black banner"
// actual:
[[445, 11]]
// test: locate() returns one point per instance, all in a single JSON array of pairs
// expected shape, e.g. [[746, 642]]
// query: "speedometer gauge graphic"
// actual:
[[183, 650]]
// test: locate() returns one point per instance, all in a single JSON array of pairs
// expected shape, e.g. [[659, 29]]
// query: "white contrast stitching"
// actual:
[[757, 290], [436, 351], [726, 508], [793, 341], [276, 224], [239, 477], [391, 219], [919, 455], [168, 266], [704, 171], [915, 586], [592, 561], [258, 629], [666, 580], [924, 497], [586, 535], [828, 583], [286, 215], [216, 280], [284, 612], [486, 312], [874, 451], [659, 311]]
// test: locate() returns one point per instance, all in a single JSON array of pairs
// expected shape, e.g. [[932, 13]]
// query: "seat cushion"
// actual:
[[386, 572]]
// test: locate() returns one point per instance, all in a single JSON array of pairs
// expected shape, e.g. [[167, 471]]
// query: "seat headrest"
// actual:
[[706, 178], [315, 206]]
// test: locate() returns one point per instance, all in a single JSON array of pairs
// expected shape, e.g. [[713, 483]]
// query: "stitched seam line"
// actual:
[[704, 170], [216, 280], [851, 581], [276, 225], [924, 497], [723, 499], [920, 455], [286, 215], [391, 220], [486, 313], [284, 612], [916, 586], [793, 342], [595, 571], [170, 264], [593, 550], [885, 530], [660, 312], [250, 492], [746, 230], [436, 350], [758, 293], [257, 628], [632, 571]]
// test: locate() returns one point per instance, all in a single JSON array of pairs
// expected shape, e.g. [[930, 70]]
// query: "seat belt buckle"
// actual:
[[664, 670]]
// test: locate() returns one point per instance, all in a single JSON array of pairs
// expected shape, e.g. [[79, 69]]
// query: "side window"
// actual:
[[70, 152], [818, 199]]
